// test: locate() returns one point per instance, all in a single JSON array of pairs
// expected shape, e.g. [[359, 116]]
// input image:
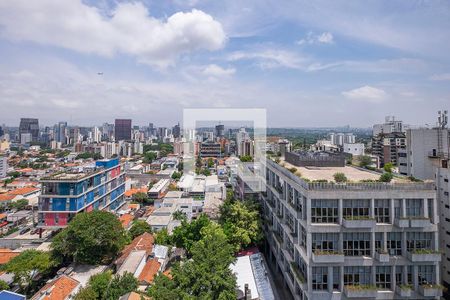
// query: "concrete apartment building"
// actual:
[[65, 194], [388, 141], [3, 166], [359, 239]]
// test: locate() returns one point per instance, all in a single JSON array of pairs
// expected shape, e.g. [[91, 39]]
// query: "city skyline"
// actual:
[[354, 66]]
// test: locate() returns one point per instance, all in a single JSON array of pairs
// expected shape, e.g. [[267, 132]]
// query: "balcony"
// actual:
[[382, 256], [419, 222], [424, 255], [360, 291], [404, 290], [358, 222], [320, 256], [430, 290], [298, 275], [401, 222]]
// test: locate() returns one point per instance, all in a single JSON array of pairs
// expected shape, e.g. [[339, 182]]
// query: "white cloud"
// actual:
[[271, 58], [128, 29], [311, 38], [366, 93], [440, 77], [217, 71]]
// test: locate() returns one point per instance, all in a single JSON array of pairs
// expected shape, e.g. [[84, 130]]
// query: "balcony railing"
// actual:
[[326, 256], [363, 291], [431, 290], [424, 255], [358, 222]]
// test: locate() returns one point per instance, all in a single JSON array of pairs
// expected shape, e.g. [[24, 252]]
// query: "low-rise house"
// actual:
[[159, 189], [61, 288], [162, 218], [143, 242], [126, 220], [149, 272]]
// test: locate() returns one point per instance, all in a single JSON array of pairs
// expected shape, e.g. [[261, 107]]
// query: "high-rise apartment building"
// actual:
[[122, 130], [388, 141], [65, 194], [220, 131], [363, 240], [30, 126], [176, 131], [60, 132], [242, 143], [3, 166]]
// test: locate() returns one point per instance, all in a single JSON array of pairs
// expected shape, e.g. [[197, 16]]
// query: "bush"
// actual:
[[388, 167], [386, 177], [340, 177]]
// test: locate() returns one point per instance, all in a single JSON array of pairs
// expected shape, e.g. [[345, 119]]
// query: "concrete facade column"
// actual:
[[385, 241], [415, 279], [372, 208], [341, 285], [372, 244], [330, 279], [425, 207], [392, 211], [403, 213], [340, 211], [393, 279]]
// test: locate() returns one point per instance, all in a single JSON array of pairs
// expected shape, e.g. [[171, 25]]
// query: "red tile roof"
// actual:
[[6, 197], [149, 272], [24, 191], [126, 219], [143, 242], [58, 289], [6, 255]]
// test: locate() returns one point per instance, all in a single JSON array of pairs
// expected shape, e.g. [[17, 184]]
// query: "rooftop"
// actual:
[[150, 270], [58, 289], [353, 174]]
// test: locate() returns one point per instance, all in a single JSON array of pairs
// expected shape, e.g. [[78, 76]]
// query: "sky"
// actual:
[[308, 63]]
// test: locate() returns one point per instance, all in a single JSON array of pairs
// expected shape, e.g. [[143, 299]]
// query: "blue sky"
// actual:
[[309, 63]]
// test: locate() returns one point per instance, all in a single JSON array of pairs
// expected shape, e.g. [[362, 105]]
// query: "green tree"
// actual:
[[140, 197], [28, 264], [3, 285], [19, 204], [162, 237], [90, 238], [188, 233], [246, 158], [86, 293], [120, 285], [206, 275], [99, 284], [386, 177], [241, 223], [365, 161], [149, 156], [179, 215], [177, 175], [388, 167], [210, 162], [139, 227], [340, 177]]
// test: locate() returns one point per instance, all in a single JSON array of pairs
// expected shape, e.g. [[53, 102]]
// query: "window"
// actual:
[[324, 211], [379, 241], [383, 277], [382, 210], [430, 208], [357, 243], [336, 278], [357, 275], [356, 208], [399, 275], [394, 243], [410, 274], [320, 278], [397, 208], [426, 274], [414, 207], [325, 241], [418, 240], [303, 240]]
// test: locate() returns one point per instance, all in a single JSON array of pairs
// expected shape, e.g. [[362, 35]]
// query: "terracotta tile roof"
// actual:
[[143, 242], [131, 192], [6, 255], [167, 273], [126, 219], [58, 289], [134, 296], [2, 216], [133, 206], [26, 170], [6, 197], [24, 191], [149, 272]]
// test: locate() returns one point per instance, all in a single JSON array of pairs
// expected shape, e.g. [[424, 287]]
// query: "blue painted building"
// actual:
[[80, 189]]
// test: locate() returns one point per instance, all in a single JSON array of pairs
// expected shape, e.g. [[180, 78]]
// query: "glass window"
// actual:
[[383, 277], [357, 275], [414, 207], [324, 211], [336, 278], [320, 278], [357, 243], [379, 241], [426, 274], [394, 243], [356, 208], [325, 241], [397, 207], [303, 239], [399, 275], [410, 274], [382, 210], [418, 240]]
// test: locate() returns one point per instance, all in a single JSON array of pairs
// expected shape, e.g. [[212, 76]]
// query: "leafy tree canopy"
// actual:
[[139, 227], [91, 238]]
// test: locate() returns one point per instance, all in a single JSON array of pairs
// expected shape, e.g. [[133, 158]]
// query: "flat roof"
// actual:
[[159, 185], [244, 275], [320, 173], [132, 262]]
